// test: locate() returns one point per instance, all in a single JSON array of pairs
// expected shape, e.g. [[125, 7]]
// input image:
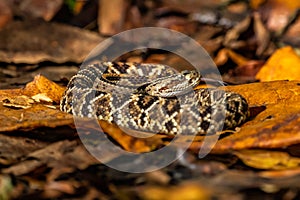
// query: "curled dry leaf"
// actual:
[[35, 115], [249, 69], [224, 54], [262, 34], [231, 38], [39, 87]]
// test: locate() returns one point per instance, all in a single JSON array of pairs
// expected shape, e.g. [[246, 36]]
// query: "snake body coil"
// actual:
[[153, 98]]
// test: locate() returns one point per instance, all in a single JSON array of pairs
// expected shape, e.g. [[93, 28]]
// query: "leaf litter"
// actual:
[[275, 127], [41, 148]]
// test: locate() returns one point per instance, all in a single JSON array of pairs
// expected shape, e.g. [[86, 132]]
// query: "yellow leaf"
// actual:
[[284, 64], [188, 191], [262, 159]]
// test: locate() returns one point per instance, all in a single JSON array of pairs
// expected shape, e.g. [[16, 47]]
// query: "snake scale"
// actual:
[[152, 98]]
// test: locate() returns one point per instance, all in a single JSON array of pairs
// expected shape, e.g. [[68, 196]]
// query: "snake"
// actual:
[[153, 98]]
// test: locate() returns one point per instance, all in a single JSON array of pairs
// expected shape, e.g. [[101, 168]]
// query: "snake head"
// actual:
[[192, 77], [173, 85]]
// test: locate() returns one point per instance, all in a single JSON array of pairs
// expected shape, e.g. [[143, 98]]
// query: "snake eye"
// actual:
[[187, 74], [190, 74]]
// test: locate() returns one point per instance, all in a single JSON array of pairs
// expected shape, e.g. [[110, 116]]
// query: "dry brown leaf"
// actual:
[[224, 54], [291, 36], [61, 154], [278, 13], [14, 148], [237, 58], [221, 57], [35, 115], [6, 14], [41, 9], [18, 102], [282, 65], [35, 41], [245, 73], [231, 38], [31, 118], [262, 34], [40, 85], [271, 160], [56, 188]]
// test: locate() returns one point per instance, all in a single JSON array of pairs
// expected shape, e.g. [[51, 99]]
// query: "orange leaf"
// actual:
[[262, 159], [40, 85], [282, 65], [40, 89], [130, 142]]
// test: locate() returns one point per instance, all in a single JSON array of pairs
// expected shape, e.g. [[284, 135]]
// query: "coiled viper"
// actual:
[[153, 98]]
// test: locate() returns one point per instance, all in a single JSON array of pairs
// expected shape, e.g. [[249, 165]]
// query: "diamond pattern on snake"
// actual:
[[152, 98]]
